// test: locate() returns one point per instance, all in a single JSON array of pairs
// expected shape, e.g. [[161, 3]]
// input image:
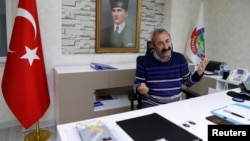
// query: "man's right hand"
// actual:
[[142, 88]]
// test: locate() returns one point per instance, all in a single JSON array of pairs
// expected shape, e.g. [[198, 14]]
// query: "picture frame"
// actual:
[[127, 40]]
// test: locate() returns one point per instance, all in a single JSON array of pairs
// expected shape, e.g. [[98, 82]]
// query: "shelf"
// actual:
[[229, 82], [122, 102], [223, 84]]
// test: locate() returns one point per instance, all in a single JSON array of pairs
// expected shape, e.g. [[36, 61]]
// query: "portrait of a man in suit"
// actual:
[[119, 33]]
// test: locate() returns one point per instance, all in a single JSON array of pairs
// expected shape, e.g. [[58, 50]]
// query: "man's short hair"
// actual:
[[119, 3], [157, 31]]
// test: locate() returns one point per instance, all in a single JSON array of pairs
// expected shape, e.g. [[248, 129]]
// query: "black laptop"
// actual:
[[154, 127]]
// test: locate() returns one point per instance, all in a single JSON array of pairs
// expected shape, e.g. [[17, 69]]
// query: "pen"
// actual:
[[234, 114]]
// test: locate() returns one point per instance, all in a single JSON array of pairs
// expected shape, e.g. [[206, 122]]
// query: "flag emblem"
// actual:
[[197, 43]]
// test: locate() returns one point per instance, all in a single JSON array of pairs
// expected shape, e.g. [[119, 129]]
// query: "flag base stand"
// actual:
[[44, 136], [38, 135]]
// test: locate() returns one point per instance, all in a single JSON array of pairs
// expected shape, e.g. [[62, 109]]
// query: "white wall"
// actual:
[[181, 22], [228, 32]]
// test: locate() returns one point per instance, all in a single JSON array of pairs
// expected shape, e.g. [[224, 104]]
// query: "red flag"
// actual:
[[24, 83]]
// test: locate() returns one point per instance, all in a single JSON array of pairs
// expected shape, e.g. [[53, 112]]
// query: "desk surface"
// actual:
[[195, 109]]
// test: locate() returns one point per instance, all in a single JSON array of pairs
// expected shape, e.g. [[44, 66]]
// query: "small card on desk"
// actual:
[[217, 120]]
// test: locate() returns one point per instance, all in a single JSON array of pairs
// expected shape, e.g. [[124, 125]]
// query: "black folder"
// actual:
[[154, 127]]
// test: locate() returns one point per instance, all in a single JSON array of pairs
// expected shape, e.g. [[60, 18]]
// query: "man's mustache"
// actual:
[[166, 49]]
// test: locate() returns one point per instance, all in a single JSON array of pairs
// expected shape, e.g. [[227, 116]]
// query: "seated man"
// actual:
[[160, 75]]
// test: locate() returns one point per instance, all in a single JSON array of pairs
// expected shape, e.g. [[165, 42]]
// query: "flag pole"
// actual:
[[38, 135]]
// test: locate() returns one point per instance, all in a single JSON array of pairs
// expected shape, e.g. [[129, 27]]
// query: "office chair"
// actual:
[[150, 47], [132, 96]]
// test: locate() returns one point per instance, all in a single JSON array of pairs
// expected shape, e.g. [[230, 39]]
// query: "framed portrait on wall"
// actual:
[[117, 26]]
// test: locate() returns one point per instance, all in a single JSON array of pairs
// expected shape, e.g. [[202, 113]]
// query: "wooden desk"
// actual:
[[195, 109]]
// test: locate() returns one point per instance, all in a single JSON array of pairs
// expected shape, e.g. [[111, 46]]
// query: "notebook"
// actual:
[[154, 127]]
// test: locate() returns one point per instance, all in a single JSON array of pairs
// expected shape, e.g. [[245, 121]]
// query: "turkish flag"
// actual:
[[24, 84]]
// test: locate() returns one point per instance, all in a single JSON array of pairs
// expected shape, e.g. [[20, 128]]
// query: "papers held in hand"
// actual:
[[99, 66]]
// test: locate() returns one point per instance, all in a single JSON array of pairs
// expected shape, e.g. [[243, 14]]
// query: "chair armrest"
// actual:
[[132, 95], [190, 93]]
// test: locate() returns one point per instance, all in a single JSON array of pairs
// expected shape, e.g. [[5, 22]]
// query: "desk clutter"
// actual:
[[235, 114], [238, 95], [138, 128]]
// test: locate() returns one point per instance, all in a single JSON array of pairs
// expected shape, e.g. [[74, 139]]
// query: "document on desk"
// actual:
[[94, 131], [238, 114], [154, 127]]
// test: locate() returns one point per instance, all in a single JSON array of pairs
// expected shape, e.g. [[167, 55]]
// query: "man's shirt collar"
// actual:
[[157, 57], [121, 27]]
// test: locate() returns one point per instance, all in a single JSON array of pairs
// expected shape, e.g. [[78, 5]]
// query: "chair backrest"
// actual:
[[150, 47]]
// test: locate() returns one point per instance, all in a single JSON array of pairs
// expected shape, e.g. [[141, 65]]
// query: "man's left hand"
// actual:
[[202, 66]]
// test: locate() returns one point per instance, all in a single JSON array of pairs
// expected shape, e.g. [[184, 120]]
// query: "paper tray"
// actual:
[[238, 114]]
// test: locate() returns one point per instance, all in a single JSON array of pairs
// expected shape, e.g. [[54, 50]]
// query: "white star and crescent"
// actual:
[[30, 54], [26, 14]]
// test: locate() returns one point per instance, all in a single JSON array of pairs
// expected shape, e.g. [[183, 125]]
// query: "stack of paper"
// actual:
[[108, 99], [94, 131]]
